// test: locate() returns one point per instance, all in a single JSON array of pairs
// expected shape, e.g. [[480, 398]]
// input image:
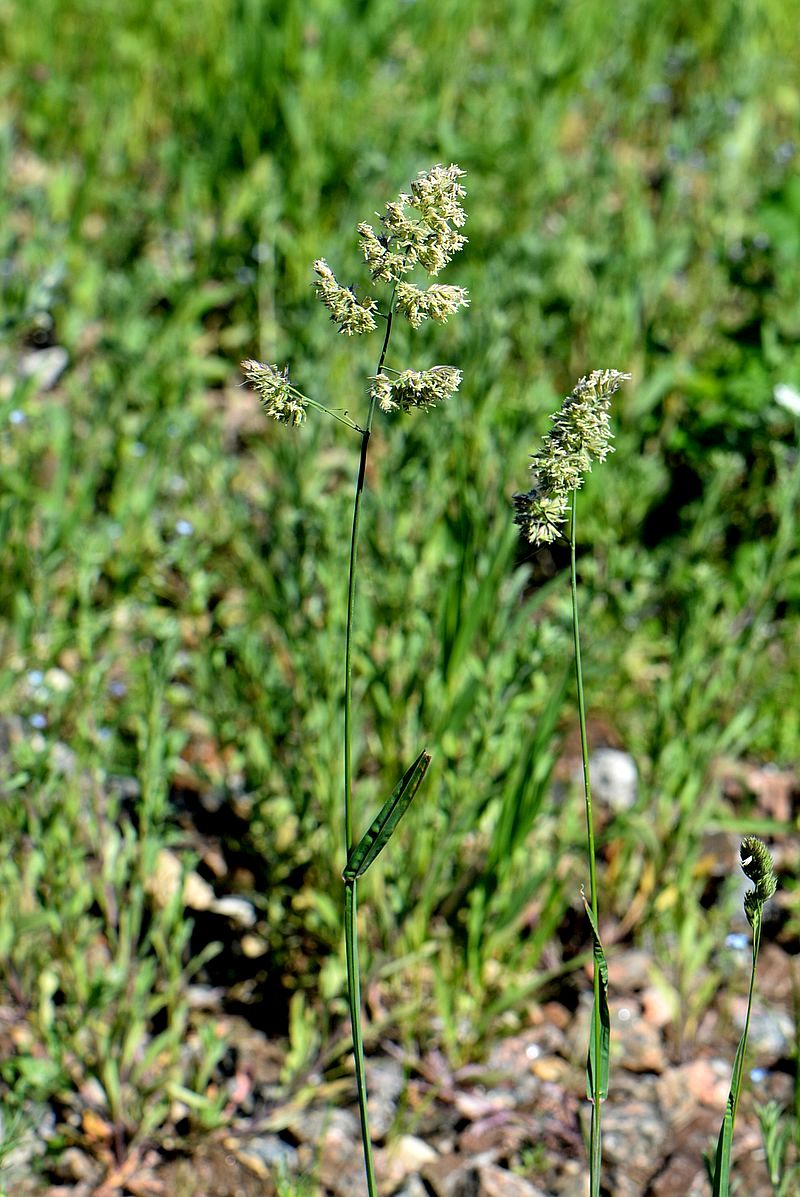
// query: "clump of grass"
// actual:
[[758, 867], [779, 1134], [581, 434], [418, 229]]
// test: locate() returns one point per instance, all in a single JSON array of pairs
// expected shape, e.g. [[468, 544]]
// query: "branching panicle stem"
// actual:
[[365, 433]]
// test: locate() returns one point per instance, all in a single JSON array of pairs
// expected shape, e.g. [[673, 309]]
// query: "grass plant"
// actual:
[[580, 436], [420, 228], [757, 866]]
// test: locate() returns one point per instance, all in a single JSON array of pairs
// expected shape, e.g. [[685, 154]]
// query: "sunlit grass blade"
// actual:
[[605, 1020], [722, 1159], [380, 831]]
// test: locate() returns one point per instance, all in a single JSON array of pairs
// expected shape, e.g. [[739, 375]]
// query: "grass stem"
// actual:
[[351, 934], [595, 1155]]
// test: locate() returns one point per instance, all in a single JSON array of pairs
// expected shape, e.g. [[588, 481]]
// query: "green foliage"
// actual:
[[168, 183], [778, 1134], [96, 953]]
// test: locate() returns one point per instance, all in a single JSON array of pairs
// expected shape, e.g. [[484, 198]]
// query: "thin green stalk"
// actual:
[[738, 1071], [595, 1156], [329, 411], [354, 994], [366, 433], [351, 935]]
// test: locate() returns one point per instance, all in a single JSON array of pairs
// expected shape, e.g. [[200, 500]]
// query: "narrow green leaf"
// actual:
[[377, 836], [605, 1018], [722, 1159]]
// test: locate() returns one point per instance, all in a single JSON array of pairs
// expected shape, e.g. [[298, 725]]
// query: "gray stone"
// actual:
[[634, 1135], [310, 1126], [268, 1151], [386, 1081], [499, 1182], [614, 778], [413, 1187], [403, 1158], [771, 1031]]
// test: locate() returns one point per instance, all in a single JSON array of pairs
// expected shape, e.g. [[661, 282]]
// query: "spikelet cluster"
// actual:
[[757, 865], [275, 392], [415, 388], [419, 228], [352, 317], [437, 303], [581, 434]]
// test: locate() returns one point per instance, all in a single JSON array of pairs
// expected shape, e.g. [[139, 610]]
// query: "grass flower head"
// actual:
[[415, 388], [420, 227], [758, 867], [437, 303], [581, 434], [276, 394], [353, 318]]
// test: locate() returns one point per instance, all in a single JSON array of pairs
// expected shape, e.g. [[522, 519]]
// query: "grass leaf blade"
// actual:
[[605, 1018], [380, 831]]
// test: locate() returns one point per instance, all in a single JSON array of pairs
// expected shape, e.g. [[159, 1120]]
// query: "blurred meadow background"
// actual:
[[173, 566]]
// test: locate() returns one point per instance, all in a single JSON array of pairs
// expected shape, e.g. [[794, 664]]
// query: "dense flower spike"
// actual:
[[758, 867], [419, 227], [437, 303], [580, 435], [415, 388], [277, 395], [352, 317]]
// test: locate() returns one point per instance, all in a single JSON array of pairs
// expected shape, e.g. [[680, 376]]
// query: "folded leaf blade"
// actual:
[[595, 1067], [380, 831]]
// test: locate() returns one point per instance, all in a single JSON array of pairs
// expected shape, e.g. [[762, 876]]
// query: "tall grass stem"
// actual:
[[595, 1155], [350, 908]]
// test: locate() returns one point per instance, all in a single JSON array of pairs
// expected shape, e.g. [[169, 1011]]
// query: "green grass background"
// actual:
[[170, 171]]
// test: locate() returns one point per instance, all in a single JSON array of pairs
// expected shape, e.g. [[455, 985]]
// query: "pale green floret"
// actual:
[[276, 394], [437, 303], [415, 388], [353, 318], [581, 434]]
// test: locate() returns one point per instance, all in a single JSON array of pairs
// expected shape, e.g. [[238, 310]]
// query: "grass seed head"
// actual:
[[581, 434], [353, 318], [275, 392], [757, 865]]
